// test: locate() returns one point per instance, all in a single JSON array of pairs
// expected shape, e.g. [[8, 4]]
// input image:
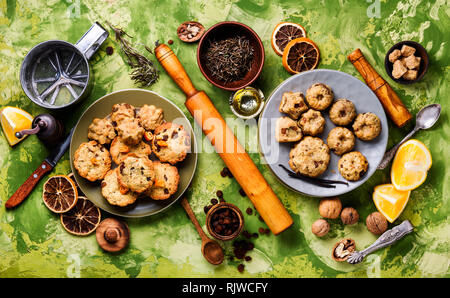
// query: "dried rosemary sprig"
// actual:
[[144, 71]]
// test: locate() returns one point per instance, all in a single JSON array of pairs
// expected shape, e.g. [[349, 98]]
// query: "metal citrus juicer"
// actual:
[[55, 74]]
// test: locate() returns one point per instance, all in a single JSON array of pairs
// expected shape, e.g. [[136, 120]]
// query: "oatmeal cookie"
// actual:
[[367, 126], [102, 131], [287, 130], [130, 132], [353, 165], [319, 96], [293, 104], [136, 173], [312, 122], [150, 117], [113, 192], [92, 161], [310, 157], [341, 140], [166, 181], [342, 112], [121, 111], [171, 143], [119, 150]]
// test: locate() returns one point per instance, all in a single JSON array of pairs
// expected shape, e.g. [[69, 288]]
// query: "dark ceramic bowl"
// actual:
[[420, 52], [230, 29], [222, 206]]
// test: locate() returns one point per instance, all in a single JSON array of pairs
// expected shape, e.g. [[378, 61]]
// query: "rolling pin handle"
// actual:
[[175, 69]]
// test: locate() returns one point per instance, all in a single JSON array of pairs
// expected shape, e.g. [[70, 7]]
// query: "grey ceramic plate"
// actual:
[[344, 86], [101, 108]]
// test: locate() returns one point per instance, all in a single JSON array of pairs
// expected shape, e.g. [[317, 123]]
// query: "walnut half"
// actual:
[[342, 250]]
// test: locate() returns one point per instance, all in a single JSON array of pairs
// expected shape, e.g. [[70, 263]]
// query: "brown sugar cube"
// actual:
[[410, 75], [394, 55], [407, 51], [399, 69], [412, 62]]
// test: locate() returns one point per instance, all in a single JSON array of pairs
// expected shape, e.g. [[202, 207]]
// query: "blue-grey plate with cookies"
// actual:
[[322, 132]]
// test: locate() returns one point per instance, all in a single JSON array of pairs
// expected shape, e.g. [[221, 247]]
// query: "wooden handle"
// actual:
[[392, 104], [24, 190], [228, 147], [190, 213], [176, 71]]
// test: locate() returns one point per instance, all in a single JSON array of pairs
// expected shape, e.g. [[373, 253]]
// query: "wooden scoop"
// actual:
[[211, 250], [226, 145]]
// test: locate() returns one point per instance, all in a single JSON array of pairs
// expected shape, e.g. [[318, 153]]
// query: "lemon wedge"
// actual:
[[389, 201], [13, 120], [410, 166]]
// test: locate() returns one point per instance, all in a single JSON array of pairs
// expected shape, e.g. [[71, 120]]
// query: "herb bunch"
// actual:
[[143, 71]]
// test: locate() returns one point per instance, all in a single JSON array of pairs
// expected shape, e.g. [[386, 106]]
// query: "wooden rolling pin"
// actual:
[[392, 104], [226, 145]]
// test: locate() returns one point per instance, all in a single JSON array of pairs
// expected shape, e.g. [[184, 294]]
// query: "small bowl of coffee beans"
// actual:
[[224, 221]]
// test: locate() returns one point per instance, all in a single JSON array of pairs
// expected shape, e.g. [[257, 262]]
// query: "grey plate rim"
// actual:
[[270, 98], [194, 145]]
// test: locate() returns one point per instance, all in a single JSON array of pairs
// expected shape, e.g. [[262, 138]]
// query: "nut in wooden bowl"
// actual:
[[190, 31]]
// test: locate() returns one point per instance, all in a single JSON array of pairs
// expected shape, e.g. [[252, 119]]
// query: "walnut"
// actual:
[[343, 249], [320, 227], [190, 31], [349, 216], [376, 223], [330, 208]]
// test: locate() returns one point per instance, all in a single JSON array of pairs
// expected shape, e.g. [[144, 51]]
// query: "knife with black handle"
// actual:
[[46, 166]]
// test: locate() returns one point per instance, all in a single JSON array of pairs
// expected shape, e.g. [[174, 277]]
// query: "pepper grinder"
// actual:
[[46, 127]]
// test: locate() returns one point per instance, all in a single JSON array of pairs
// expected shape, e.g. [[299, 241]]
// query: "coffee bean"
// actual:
[[109, 51], [241, 268]]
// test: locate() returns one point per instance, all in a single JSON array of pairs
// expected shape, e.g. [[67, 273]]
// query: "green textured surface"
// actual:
[[32, 241]]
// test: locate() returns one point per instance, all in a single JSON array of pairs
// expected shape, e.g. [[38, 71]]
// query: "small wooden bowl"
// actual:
[[230, 29], [420, 52], [222, 206]]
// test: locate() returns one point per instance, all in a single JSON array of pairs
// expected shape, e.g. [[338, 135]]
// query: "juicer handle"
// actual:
[[92, 40]]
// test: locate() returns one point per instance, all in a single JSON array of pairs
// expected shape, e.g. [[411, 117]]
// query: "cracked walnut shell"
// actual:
[[343, 249], [330, 208]]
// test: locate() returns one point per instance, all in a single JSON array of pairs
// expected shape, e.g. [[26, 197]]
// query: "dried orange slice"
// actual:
[[300, 54], [60, 194], [390, 201], [283, 33], [82, 219], [410, 166]]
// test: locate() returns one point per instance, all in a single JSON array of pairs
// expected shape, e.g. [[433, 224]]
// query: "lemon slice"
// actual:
[[410, 166], [13, 120], [389, 201]]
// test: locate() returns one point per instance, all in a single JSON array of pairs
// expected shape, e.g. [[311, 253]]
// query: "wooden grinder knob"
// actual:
[[113, 235]]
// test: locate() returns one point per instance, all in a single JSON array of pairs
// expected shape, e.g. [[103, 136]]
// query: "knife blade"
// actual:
[[46, 166]]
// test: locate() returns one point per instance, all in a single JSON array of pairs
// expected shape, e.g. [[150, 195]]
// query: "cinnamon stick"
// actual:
[[392, 104]]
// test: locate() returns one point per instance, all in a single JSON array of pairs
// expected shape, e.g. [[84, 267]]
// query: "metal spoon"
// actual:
[[425, 119], [211, 250]]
